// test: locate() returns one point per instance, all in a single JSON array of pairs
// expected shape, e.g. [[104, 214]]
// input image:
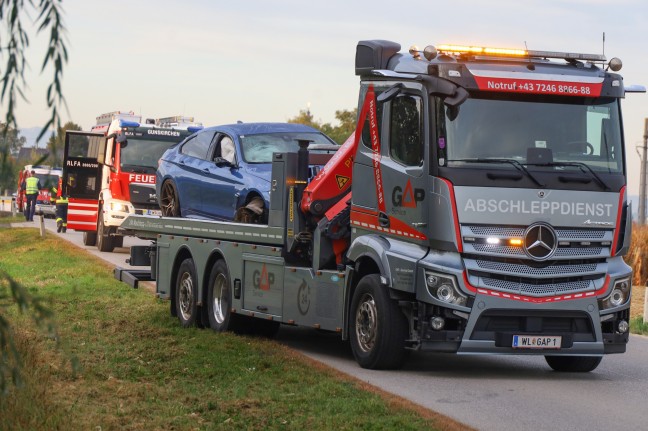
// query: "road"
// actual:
[[486, 392]]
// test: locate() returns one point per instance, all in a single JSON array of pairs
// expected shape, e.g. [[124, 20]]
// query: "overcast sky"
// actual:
[[222, 60]]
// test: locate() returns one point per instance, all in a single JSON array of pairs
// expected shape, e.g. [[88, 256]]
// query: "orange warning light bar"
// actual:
[[465, 49]]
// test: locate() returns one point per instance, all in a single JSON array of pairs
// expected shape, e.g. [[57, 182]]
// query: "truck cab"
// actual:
[[48, 177], [110, 173]]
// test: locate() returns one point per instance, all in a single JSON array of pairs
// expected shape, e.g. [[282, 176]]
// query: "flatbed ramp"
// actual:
[[149, 227]]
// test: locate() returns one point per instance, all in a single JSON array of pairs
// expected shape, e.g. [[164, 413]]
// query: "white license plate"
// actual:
[[154, 212], [536, 342]]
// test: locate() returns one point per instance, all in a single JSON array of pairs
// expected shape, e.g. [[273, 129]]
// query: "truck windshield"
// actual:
[[259, 148], [142, 154], [536, 131]]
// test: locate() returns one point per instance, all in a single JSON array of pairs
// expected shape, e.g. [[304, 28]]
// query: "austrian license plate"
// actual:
[[153, 212], [536, 342]]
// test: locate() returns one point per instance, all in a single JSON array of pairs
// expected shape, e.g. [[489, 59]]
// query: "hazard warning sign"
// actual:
[[341, 181]]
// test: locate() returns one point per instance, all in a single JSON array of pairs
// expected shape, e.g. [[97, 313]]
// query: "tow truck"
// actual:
[[110, 172], [479, 208]]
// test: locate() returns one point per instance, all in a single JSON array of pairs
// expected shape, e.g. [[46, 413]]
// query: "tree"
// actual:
[[10, 140], [56, 143], [14, 42], [339, 133]]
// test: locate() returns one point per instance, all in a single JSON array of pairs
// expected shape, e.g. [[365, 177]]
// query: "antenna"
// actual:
[[603, 43]]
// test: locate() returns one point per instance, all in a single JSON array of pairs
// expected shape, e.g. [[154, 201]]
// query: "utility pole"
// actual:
[[642, 180]]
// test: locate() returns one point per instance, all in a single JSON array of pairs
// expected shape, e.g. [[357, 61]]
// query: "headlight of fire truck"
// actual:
[[619, 295], [444, 288], [118, 207]]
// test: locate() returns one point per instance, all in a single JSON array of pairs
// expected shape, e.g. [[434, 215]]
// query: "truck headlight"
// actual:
[[118, 207], [619, 295], [444, 288]]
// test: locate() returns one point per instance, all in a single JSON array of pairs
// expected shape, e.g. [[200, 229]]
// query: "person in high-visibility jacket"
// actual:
[[61, 213], [31, 185], [61, 207]]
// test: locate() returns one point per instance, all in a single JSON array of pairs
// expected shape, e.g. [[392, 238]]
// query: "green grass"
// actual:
[[638, 326], [138, 369]]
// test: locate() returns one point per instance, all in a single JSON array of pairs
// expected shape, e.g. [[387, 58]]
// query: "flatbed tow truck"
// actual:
[[479, 208]]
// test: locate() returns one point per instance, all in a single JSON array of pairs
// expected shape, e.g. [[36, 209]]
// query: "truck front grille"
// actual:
[[577, 265]]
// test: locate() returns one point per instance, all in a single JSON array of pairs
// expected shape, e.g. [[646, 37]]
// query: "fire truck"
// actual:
[[48, 177], [109, 173], [479, 208]]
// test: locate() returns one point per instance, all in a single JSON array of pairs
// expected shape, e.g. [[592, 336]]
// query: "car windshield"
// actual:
[[568, 131], [259, 148], [48, 180], [142, 153]]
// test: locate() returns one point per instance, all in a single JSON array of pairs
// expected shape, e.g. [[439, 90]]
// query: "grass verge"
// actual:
[[139, 370]]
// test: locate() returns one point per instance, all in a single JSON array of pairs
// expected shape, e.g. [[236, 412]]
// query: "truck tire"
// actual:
[[169, 202], [104, 240], [90, 238], [573, 364], [219, 301], [186, 288], [378, 328]]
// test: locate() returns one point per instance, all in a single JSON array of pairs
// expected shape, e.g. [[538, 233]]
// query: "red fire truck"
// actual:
[[48, 178], [108, 179]]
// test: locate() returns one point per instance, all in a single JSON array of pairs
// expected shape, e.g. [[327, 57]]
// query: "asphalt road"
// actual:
[[486, 392]]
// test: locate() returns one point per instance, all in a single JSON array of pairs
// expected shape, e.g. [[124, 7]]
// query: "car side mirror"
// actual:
[[222, 162]]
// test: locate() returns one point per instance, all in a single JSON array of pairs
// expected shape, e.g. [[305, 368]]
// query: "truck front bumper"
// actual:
[[493, 322]]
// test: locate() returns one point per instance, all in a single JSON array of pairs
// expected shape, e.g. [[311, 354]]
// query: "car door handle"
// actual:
[[383, 219]]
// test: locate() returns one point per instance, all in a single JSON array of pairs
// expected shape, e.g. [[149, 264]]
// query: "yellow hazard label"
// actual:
[[341, 181]]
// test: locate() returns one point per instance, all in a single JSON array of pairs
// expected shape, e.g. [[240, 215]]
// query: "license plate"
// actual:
[[154, 212], [536, 342]]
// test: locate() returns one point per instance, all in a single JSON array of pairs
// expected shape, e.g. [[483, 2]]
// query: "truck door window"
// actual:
[[405, 136]]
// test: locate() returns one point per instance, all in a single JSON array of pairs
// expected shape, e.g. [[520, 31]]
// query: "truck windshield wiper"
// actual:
[[137, 169], [519, 166], [584, 167]]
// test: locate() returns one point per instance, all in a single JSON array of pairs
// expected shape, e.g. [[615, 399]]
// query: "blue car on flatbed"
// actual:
[[223, 172]]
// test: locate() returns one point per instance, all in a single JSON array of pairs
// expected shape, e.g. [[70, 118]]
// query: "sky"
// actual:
[[221, 61]]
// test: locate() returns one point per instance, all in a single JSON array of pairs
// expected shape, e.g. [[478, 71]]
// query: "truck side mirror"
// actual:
[[121, 140], [390, 93]]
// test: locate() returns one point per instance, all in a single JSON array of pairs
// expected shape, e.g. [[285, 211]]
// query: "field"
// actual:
[[121, 362]]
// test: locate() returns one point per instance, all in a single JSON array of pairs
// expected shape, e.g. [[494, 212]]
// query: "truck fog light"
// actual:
[[432, 280], [617, 297], [437, 323], [445, 293], [623, 327]]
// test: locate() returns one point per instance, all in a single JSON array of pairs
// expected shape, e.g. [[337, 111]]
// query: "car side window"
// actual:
[[225, 149], [198, 146]]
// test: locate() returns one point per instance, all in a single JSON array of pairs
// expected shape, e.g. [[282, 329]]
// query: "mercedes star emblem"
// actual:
[[540, 241]]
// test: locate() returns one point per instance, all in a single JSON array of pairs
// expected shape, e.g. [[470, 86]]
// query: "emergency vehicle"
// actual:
[[479, 208], [48, 177], [110, 173]]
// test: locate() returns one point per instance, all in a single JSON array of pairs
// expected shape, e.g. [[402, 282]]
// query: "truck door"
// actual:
[[82, 177], [390, 166]]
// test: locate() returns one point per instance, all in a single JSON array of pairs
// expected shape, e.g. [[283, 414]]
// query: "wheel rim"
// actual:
[[366, 323], [185, 296], [169, 200], [220, 298]]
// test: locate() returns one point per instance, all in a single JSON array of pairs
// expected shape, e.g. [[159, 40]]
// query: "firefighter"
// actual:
[[61, 208], [61, 213]]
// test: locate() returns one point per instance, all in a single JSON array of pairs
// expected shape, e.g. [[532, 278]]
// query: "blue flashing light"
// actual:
[[125, 123], [194, 129]]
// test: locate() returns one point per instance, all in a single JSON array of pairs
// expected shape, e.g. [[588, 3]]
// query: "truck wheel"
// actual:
[[219, 300], [104, 240], [378, 326], [90, 238], [573, 364], [185, 293], [169, 203]]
